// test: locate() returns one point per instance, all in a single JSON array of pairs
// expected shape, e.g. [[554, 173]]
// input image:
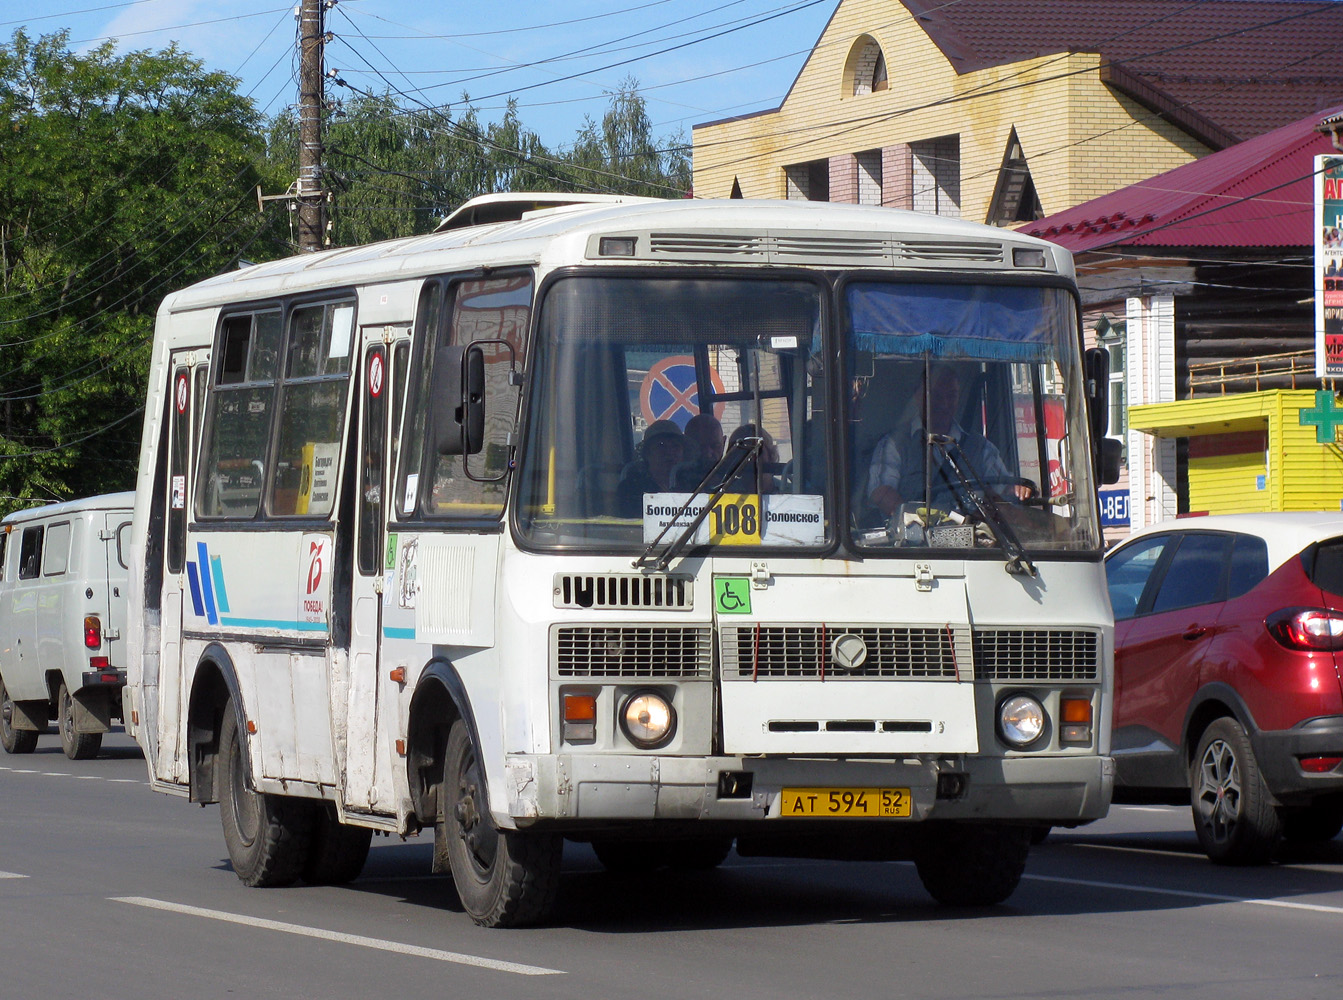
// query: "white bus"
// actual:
[[628, 523]]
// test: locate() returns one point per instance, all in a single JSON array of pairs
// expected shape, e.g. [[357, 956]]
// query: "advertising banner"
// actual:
[[1329, 266]]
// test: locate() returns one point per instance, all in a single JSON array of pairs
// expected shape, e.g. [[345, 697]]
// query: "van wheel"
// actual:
[[13, 740], [505, 878], [268, 836], [77, 746], [968, 864], [1234, 815], [338, 852]]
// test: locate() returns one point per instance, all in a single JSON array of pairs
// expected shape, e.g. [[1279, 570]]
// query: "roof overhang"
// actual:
[[1231, 414]]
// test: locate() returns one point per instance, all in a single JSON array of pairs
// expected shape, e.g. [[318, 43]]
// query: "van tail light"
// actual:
[[1307, 628], [93, 632]]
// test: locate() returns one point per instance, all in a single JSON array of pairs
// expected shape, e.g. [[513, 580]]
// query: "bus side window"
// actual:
[[373, 460], [30, 553], [180, 430], [240, 405], [312, 410], [488, 309], [4, 551], [427, 317]]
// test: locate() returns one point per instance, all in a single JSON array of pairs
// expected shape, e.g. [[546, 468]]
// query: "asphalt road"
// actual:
[[109, 890]]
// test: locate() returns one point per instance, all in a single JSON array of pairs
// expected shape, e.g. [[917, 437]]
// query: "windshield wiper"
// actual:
[[981, 497], [747, 449]]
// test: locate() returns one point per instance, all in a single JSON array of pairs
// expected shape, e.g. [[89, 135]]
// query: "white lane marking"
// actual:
[[1187, 894], [90, 777], [20, 770], [1138, 850], [11, 875], [125, 781], [247, 920], [1151, 809]]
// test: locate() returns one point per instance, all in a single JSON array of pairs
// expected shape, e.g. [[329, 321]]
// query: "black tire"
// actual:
[[1313, 824], [504, 878], [1040, 834], [632, 856], [77, 746], [338, 852], [964, 864], [13, 740], [268, 836], [1234, 815]]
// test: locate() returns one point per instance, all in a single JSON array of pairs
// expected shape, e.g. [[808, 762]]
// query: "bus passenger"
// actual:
[[660, 451], [704, 440]]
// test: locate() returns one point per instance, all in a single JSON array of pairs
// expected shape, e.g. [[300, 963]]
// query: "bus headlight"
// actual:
[[648, 719], [1021, 720]]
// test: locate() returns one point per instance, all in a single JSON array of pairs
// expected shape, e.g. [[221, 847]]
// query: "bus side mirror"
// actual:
[[1112, 453], [1096, 369], [459, 400]]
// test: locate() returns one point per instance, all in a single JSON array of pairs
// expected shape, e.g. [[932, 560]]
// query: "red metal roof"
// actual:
[[1246, 65], [1258, 193]]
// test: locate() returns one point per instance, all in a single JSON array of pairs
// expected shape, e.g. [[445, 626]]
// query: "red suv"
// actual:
[[1228, 644]]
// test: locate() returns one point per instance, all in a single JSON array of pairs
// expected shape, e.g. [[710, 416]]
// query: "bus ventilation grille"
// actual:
[[802, 651], [856, 248], [1014, 654], [624, 592], [640, 651]]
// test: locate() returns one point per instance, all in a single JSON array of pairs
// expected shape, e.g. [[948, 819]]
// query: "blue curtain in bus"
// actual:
[[985, 322]]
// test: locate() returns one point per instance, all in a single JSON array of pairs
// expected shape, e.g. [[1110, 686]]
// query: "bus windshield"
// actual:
[[643, 384], [966, 417], [963, 421]]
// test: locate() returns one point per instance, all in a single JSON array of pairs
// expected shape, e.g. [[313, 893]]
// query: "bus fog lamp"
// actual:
[[647, 719], [1021, 720]]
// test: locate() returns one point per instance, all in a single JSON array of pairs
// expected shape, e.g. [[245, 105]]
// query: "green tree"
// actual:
[[622, 155], [122, 177]]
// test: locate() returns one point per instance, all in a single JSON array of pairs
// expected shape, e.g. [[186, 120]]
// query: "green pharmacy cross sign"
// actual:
[[1326, 417]]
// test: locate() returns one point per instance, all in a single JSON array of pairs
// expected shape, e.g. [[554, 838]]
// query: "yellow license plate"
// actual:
[[847, 803]]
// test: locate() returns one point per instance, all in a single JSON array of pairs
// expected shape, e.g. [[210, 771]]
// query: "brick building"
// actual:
[[1002, 111]]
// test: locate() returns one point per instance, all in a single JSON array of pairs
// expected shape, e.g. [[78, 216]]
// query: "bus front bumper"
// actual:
[[598, 788]]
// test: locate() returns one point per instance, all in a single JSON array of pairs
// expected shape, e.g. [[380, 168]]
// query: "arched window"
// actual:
[[866, 67]]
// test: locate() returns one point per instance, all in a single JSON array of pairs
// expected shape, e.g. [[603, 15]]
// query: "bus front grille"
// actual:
[[624, 591], [1015, 654], [803, 651], [634, 651]]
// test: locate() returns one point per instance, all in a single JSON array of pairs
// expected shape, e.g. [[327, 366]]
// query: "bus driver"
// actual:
[[897, 471]]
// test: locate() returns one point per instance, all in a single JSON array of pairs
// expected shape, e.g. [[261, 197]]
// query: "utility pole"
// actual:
[[311, 196]]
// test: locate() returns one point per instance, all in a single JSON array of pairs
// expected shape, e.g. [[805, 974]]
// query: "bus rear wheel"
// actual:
[[268, 836], [971, 864], [504, 878], [13, 740], [77, 745]]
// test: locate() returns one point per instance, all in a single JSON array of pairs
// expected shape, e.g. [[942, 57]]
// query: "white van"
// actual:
[[62, 609]]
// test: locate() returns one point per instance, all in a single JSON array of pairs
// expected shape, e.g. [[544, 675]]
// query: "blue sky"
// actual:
[[437, 50]]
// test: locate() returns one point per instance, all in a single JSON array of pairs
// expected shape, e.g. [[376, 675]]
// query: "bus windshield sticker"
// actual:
[[789, 518]]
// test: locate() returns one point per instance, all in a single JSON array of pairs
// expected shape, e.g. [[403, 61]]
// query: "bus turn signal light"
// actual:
[[579, 717], [1076, 720]]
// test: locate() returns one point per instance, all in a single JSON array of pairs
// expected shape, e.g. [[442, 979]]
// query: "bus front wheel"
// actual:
[[972, 864], [504, 878], [268, 836]]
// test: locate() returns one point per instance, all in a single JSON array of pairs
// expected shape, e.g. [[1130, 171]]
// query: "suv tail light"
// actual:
[[93, 632], [1307, 628]]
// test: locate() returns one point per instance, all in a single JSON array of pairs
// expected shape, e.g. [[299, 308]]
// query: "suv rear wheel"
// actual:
[[1234, 815]]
